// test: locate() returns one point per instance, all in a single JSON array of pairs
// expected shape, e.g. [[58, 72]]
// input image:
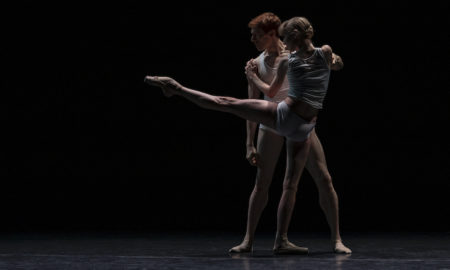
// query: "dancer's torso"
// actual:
[[308, 81], [267, 68]]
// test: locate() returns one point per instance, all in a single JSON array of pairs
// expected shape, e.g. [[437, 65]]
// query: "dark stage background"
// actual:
[[87, 146]]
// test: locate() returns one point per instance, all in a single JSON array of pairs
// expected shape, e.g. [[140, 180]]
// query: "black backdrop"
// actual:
[[88, 146]]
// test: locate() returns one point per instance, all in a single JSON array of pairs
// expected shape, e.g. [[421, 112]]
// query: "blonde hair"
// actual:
[[296, 28]]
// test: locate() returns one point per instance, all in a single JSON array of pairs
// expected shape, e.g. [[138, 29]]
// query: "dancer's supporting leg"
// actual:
[[269, 146], [260, 111], [297, 153], [317, 167]]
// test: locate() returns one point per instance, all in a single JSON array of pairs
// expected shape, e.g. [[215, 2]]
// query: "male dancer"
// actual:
[[269, 144]]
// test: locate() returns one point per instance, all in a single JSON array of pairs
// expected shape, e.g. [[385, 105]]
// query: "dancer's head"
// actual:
[[295, 31], [264, 29]]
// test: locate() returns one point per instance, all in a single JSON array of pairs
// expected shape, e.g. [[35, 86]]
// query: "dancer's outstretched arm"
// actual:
[[272, 89]]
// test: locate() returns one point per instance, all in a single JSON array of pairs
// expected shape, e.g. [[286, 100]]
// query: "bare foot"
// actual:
[[244, 247], [167, 84], [340, 248], [286, 247]]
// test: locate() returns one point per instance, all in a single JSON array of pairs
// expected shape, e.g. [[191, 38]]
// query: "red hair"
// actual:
[[266, 22]]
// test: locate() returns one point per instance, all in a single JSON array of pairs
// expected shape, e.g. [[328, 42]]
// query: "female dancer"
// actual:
[[308, 71]]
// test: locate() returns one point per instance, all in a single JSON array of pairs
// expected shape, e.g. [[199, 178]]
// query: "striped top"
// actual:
[[308, 78]]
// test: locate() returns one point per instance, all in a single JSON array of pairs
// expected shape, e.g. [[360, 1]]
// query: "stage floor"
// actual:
[[208, 250]]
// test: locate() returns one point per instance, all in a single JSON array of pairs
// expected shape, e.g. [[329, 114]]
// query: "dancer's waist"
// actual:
[[301, 108]]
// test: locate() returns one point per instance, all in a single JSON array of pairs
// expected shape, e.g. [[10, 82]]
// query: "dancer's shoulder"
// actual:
[[326, 49], [259, 58], [327, 52]]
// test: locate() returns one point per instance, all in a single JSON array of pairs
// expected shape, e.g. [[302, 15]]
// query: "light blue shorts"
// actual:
[[291, 125], [266, 128]]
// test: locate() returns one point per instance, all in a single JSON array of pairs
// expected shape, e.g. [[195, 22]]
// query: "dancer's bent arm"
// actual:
[[272, 89]]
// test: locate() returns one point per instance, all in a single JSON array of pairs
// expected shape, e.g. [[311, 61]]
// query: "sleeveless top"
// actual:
[[267, 74], [308, 78]]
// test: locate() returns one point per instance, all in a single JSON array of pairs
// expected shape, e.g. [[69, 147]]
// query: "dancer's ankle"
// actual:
[[247, 240], [280, 238]]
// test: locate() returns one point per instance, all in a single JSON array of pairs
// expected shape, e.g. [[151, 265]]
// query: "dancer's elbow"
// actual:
[[273, 91]]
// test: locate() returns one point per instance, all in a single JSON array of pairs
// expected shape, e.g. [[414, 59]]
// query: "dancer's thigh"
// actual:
[[269, 147]]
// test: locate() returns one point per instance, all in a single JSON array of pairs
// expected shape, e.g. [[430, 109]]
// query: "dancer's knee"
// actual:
[[261, 187], [214, 102], [260, 194], [223, 103], [325, 183], [326, 189], [226, 101], [290, 187]]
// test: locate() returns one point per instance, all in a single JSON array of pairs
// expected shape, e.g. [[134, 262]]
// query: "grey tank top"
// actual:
[[267, 74], [308, 78]]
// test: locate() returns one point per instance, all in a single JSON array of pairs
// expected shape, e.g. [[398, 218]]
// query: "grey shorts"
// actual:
[[291, 125]]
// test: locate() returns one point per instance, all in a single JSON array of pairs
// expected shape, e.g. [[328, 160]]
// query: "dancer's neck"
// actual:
[[275, 49], [305, 48]]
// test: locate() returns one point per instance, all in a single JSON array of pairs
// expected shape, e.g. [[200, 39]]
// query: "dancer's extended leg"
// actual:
[[328, 200], [269, 147], [297, 153], [256, 110]]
